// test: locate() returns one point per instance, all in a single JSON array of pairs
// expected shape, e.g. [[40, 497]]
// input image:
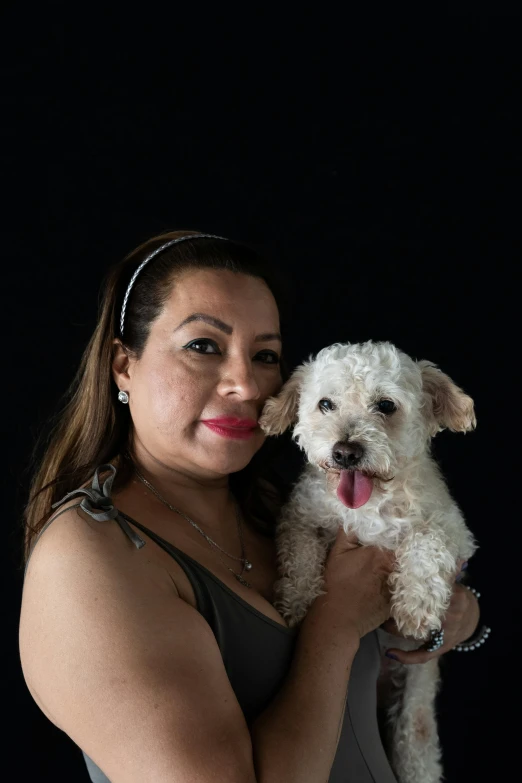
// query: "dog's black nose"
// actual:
[[347, 454]]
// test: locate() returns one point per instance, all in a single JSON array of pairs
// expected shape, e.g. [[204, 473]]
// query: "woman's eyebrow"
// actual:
[[208, 319], [261, 338], [223, 327]]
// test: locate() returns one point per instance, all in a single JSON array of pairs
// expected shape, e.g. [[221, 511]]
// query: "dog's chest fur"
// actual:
[[416, 495]]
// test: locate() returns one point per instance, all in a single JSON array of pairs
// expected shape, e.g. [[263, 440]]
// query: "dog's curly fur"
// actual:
[[409, 511]]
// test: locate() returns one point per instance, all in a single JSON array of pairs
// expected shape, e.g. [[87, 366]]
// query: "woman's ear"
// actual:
[[120, 365], [446, 405], [280, 412]]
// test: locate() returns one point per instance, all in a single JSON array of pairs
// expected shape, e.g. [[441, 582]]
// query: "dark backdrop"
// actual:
[[384, 180]]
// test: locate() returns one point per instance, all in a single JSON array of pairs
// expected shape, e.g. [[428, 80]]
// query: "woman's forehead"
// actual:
[[224, 294]]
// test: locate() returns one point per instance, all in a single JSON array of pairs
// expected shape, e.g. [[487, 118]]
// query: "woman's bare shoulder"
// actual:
[[72, 537], [81, 567], [76, 552], [119, 662]]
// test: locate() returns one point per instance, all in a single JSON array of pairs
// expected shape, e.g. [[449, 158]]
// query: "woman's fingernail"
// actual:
[[391, 655], [464, 566]]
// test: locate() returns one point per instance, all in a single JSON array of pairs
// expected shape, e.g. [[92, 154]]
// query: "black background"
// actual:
[[380, 169]]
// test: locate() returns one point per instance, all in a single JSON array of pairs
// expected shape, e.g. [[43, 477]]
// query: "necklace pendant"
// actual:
[[243, 581], [248, 565]]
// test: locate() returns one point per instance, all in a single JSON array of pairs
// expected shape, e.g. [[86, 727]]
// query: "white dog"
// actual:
[[364, 415]]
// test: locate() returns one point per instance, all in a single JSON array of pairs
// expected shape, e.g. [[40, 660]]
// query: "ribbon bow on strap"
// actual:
[[98, 504]]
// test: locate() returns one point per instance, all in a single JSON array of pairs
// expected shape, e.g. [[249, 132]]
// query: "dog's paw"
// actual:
[[292, 613], [416, 625], [417, 609]]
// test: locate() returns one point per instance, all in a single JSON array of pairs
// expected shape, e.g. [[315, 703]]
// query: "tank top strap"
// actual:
[[194, 571], [98, 504]]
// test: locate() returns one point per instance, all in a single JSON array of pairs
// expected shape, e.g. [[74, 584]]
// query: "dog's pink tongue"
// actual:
[[354, 488]]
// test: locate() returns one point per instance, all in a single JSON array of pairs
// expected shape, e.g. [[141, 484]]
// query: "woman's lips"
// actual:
[[231, 427]]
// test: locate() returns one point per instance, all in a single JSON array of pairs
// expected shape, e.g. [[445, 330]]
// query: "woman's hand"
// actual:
[[460, 622], [356, 583]]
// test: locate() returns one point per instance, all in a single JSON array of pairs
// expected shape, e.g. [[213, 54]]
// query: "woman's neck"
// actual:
[[204, 498]]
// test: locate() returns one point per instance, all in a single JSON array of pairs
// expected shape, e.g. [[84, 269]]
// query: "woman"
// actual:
[[147, 628]]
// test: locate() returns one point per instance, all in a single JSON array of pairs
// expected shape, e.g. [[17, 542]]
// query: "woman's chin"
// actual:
[[230, 456]]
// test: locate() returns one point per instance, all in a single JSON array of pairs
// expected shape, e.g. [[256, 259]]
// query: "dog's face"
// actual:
[[362, 412]]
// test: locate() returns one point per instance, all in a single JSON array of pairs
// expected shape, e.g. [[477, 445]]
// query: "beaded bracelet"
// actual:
[[435, 641], [480, 638]]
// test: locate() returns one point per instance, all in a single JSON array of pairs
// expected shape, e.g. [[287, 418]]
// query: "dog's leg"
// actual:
[[411, 725], [421, 584], [302, 550], [421, 590]]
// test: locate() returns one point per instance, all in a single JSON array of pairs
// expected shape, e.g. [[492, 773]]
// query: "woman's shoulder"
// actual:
[[76, 557], [74, 528], [99, 638], [70, 535]]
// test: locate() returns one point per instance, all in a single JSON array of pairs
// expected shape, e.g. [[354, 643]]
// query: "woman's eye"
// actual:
[[202, 346], [267, 357], [326, 405], [386, 406]]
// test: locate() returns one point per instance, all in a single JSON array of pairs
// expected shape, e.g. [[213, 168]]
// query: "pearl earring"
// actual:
[[123, 397]]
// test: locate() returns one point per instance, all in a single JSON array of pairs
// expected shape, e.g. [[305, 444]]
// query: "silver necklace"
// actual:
[[247, 565]]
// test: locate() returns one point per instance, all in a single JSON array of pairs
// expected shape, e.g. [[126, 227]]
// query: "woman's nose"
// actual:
[[238, 378]]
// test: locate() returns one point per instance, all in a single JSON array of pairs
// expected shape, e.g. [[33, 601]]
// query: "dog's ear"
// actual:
[[446, 405], [280, 412]]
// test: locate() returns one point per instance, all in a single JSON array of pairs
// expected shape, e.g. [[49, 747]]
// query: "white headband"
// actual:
[[152, 255]]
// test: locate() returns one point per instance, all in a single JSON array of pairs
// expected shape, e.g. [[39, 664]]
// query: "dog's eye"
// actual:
[[326, 405], [386, 406]]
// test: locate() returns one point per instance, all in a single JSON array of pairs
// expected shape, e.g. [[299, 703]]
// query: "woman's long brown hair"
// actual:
[[92, 427]]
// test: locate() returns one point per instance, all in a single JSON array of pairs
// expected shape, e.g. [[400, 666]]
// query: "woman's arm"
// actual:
[[295, 738], [131, 672], [135, 677]]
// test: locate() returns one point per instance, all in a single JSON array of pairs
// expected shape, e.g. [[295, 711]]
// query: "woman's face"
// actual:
[[209, 364]]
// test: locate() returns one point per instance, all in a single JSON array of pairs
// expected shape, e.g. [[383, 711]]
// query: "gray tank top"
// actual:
[[257, 651]]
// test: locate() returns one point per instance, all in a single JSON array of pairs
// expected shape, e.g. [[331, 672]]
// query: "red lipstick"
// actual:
[[231, 427]]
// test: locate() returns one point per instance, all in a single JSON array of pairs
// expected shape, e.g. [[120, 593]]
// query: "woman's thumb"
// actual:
[[345, 541]]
